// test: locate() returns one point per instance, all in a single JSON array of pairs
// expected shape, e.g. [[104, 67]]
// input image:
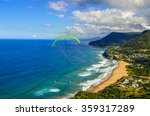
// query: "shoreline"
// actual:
[[116, 74]]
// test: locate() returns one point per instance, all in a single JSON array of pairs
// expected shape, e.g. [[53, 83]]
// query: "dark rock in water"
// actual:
[[105, 55]]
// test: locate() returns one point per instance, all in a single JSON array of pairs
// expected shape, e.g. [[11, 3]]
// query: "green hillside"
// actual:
[[137, 85], [141, 42], [114, 38]]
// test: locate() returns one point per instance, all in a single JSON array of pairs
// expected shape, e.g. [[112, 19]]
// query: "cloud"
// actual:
[[118, 4], [57, 6], [60, 15], [34, 36], [140, 7], [75, 30], [145, 13], [120, 15], [96, 22], [131, 5], [48, 25], [57, 15], [108, 17]]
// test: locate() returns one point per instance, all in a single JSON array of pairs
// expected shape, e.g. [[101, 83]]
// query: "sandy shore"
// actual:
[[117, 74]]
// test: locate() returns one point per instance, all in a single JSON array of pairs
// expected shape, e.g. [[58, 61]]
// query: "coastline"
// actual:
[[117, 74]]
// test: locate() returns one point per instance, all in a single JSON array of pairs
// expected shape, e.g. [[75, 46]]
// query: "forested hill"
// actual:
[[114, 38], [135, 51], [140, 42]]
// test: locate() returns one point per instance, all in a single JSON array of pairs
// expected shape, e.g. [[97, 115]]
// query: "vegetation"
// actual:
[[114, 38], [137, 85], [136, 52]]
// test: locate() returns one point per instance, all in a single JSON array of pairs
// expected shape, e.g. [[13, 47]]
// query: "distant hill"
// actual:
[[91, 39], [133, 50], [86, 41], [145, 31], [113, 38], [140, 42]]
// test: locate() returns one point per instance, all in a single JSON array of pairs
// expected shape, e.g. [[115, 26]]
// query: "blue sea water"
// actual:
[[33, 69]]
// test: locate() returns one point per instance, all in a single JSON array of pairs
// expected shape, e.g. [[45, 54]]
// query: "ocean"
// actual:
[[33, 69]]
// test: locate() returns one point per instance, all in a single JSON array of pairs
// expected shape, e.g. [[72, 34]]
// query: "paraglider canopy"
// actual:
[[66, 47], [65, 37]]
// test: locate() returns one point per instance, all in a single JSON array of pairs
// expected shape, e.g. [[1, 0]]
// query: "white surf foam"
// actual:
[[96, 67], [90, 83], [114, 61], [45, 91], [89, 69], [84, 74], [54, 90], [41, 92]]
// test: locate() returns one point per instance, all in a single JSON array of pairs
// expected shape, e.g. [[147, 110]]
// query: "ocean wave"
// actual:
[[96, 67], [41, 92], [114, 61], [101, 52], [107, 69], [90, 83], [101, 78], [45, 91], [84, 74], [54, 90]]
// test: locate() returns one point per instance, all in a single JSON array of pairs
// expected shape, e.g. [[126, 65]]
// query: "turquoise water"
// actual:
[[33, 69]]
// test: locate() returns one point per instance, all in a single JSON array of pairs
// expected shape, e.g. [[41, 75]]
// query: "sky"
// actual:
[[83, 18]]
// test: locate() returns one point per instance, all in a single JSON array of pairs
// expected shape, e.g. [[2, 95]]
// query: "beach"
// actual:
[[117, 74]]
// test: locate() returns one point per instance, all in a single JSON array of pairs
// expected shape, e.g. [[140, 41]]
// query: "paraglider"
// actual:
[[65, 37], [67, 45]]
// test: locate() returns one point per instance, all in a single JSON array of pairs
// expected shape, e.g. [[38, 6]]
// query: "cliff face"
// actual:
[[114, 38]]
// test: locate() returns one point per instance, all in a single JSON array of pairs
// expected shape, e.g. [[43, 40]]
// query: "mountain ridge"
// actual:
[[114, 38]]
